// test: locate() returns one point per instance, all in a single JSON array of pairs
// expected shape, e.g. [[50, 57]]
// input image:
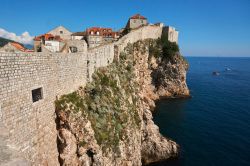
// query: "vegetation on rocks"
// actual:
[[109, 121], [164, 50], [109, 102]]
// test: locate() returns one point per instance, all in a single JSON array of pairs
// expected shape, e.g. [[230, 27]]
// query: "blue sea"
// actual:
[[213, 127]]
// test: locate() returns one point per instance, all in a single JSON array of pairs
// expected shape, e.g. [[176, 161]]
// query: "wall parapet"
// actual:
[[31, 125]]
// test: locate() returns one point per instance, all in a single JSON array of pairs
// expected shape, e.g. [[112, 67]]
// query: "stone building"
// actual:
[[172, 33], [61, 31], [78, 36], [14, 47], [96, 36], [74, 46], [49, 42], [136, 21]]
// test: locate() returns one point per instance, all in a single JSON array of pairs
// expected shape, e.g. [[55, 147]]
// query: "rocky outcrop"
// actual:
[[109, 122], [170, 77]]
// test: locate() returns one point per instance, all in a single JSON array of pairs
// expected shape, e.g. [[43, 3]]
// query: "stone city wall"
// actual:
[[145, 32], [31, 125]]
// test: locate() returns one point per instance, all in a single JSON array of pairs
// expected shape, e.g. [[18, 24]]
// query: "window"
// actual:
[[73, 49], [97, 33], [37, 94], [61, 32]]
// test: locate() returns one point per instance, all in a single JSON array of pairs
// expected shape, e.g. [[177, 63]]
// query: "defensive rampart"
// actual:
[[31, 82]]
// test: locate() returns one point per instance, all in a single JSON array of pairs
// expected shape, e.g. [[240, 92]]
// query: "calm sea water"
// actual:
[[213, 127]]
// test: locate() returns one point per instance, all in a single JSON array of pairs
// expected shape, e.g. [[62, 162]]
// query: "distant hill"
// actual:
[[4, 41]]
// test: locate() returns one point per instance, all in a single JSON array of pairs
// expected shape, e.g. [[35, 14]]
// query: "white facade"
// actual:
[[172, 34], [77, 37], [53, 46]]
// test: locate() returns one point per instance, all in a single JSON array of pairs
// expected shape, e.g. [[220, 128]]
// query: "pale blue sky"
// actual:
[[207, 28]]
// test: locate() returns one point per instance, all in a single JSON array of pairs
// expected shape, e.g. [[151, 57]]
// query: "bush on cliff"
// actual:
[[163, 48], [109, 102], [169, 49]]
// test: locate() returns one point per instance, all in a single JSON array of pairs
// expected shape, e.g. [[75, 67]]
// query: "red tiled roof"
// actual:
[[47, 36], [18, 46], [105, 32], [98, 29], [138, 16]]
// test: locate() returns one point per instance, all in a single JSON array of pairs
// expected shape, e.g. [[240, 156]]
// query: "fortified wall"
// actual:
[[31, 82], [145, 32]]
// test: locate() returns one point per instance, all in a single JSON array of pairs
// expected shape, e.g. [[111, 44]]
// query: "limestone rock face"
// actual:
[[170, 77], [154, 146], [109, 122]]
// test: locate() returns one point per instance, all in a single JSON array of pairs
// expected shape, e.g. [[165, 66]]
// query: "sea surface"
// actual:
[[212, 127]]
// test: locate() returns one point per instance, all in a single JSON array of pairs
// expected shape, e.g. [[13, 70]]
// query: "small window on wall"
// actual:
[[37, 94], [61, 32], [73, 49]]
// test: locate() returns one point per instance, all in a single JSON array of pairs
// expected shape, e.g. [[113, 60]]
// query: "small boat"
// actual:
[[216, 73], [228, 69]]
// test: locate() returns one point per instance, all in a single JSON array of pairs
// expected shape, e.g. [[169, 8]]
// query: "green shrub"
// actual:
[[169, 49], [163, 48], [105, 102]]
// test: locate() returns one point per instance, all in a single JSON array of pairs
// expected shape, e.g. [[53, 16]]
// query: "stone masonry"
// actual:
[[31, 125]]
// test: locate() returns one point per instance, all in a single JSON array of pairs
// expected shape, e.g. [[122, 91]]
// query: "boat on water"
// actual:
[[216, 73]]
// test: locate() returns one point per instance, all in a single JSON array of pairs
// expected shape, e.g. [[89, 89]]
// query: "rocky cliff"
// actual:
[[109, 122]]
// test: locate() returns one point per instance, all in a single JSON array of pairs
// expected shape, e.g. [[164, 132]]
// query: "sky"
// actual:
[[206, 27]]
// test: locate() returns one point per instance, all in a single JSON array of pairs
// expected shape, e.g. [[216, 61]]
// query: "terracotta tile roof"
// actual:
[[18, 46], [102, 31], [138, 16], [47, 36], [105, 32]]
